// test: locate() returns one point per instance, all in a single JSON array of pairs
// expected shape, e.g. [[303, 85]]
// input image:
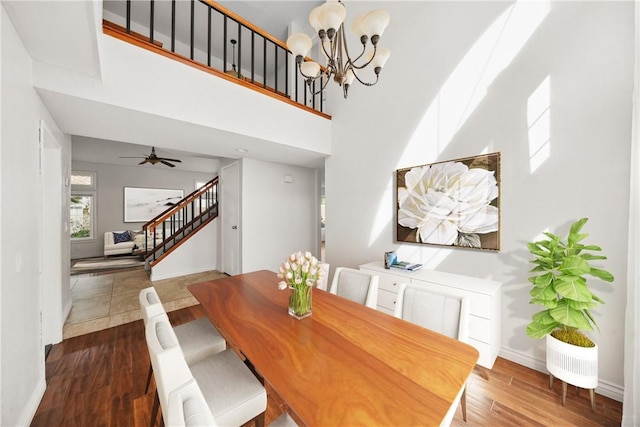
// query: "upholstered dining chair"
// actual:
[[188, 407], [198, 338], [233, 395], [355, 285], [441, 312]]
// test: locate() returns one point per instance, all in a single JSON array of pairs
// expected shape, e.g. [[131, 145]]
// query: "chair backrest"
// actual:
[[150, 304], [188, 407], [355, 285], [442, 312], [170, 368]]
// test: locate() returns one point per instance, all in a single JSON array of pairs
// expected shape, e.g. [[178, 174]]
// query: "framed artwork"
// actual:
[[144, 204], [453, 203]]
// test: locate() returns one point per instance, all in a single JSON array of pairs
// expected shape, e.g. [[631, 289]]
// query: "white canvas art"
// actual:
[[144, 204]]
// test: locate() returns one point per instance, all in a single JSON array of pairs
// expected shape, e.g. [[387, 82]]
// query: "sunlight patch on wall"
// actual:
[[384, 215], [458, 98], [539, 124], [467, 85]]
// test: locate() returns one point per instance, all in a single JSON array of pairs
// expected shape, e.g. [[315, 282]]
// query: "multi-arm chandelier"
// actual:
[[328, 20]]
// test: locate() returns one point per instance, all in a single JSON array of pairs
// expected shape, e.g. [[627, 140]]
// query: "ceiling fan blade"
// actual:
[[143, 162], [167, 163], [137, 157], [170, 160]]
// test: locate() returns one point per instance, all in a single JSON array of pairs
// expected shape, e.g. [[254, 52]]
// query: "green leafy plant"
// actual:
[[559, 284]]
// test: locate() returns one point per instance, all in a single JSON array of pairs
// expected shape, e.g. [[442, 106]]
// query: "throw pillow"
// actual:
[[121, 237]]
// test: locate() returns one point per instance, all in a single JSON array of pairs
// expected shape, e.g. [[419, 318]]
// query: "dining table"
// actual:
[[346, 364]]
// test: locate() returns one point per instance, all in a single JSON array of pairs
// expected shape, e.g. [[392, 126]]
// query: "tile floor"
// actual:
[[104, 300]]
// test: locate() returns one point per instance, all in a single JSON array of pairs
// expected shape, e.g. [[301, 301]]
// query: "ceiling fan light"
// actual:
[[310, 69], [299, 44], [332, 15], [375, 22]]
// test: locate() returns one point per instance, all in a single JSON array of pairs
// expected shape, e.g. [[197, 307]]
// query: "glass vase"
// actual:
[[300, 301]]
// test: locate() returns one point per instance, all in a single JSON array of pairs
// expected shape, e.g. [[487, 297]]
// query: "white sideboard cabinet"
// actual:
[[484, 328]]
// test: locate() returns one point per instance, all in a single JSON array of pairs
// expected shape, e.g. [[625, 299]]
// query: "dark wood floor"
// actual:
[[98, 380]]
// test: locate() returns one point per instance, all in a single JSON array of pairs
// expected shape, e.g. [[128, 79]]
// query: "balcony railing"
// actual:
[[202, 31]]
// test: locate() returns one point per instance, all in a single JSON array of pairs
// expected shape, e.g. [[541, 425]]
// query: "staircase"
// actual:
[[180, 222]]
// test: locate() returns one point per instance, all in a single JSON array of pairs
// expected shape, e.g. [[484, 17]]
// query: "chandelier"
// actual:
[[328, 21]]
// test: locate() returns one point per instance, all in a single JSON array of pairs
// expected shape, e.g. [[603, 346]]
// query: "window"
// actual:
[[81, 217], [82, 206]]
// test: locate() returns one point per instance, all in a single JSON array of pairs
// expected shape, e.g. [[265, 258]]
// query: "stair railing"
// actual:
[[262, 60], [176, 224]]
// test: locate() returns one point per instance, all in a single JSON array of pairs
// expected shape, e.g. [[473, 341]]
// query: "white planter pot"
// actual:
[[575, 365]]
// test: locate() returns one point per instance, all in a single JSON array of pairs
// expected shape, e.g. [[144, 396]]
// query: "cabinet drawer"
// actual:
[[480, 303], [480, 329], [387, 299], [486, 359], [388, 282], [384, 310]]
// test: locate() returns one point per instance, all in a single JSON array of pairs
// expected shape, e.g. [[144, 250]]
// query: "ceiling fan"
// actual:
[[153, 159]]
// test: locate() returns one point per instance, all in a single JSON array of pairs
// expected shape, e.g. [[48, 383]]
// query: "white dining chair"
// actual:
[[440, 312], [188, 407], [355, 285], [198, 338], [232, 392]]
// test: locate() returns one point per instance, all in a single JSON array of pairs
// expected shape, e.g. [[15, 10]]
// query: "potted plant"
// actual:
[[560, 287]]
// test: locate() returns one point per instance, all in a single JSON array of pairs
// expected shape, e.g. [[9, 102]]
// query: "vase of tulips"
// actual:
[[300, 273]]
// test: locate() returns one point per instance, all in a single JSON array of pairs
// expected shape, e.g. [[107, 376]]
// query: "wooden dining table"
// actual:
[[346, 364]]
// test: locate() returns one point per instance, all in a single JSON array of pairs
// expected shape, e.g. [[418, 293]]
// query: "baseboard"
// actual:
[[155, 276], [610, 390], [32, 405]]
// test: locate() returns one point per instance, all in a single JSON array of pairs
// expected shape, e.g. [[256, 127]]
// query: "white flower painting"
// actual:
[[454, 203]]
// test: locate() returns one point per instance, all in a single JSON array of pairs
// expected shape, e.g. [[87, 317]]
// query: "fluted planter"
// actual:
[[572, 364]]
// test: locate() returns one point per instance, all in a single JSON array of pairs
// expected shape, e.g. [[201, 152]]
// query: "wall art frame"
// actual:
[[453, 203], [144, 204]]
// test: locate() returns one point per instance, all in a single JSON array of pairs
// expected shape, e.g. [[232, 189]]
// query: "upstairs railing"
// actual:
[[207, 34], [172, 227]]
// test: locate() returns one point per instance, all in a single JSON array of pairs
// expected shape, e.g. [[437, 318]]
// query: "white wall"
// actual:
[[278, 217], [110, 183], [21, 348], [447, 93], [197, 254]]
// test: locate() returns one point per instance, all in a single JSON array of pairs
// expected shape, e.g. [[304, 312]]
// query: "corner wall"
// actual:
[[462, 79], [22, 381]]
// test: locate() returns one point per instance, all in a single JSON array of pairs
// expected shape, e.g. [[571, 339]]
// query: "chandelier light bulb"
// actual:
[[331, 16], [356, 26], [314, 18], [299, 44], [375, 22], [381, 57], [310, 69]]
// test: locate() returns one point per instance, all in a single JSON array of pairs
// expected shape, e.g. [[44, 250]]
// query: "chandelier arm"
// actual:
[[322, 86], [360, 67], [366, 83], [351, 62]]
